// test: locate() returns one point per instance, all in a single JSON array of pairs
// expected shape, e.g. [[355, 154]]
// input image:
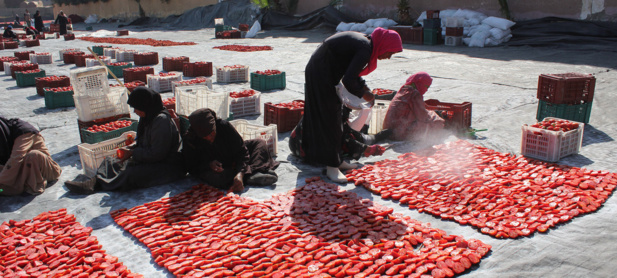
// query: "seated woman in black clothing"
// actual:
[[8, 33], [216, 153], [153, 159]]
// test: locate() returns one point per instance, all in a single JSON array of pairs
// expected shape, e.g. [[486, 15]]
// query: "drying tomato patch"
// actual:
[[504, 196], [151, 42], [243, 48], [53, 244], [316, 230]]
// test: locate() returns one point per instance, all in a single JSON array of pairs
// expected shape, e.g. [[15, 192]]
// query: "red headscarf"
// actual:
[[422, 81], [383, 41]]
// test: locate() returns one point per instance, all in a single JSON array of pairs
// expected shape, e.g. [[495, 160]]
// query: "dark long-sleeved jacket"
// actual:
[[159, 142]]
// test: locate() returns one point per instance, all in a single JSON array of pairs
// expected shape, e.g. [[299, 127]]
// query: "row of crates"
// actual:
[[567, 96]]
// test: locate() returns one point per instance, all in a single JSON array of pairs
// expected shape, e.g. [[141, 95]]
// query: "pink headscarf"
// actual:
[[383, 41], [422, 81]]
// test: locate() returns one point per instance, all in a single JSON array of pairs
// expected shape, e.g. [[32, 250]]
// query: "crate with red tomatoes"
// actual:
[[22, 67], [23, 55], [232, 73], [92, 62], [285, 115], [9, 64], [137, 74], [191, 82], [197, 69], [268, 80], [41, 58], [552, 139], [92, 155], [384, 94], [117, 68], [162, 82], [110, 130], [52, 81], [134, 84], [174, 63], [5, 59], [146, 58], [58, 97], [457, 116], [26, 78], [245, 103]]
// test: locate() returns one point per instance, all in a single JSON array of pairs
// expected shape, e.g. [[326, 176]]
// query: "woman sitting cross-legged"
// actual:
[[215, 153]]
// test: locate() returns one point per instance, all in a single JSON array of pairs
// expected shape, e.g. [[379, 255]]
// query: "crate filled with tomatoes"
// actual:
[[58, 97], [201, 80], [162, 82], [23, 55], [109, 130], [552, 139], [26, 78], [80, 60], [69, 56], [92, 155], [457, 116], [69, 37], [16, 67], [146, 58], [268, 80], [566, 88], [52, 81], [41, 58], [137, 74], [245, 103], [9, 59], [174, 63], [11, 45], [285, 115], [9, 64], [170, 103], [100, 49], [384, 94], [92, 62], [197, 69], [133, 84], [232, 73], [117, 68]]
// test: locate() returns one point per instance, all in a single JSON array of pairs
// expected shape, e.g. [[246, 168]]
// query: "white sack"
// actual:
[[254, 29], [479, 38], [500, 23], [358, 27], [342, 27], [91, 19], [499, 34]]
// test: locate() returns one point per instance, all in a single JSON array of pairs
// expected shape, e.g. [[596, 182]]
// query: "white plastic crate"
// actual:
[[204, 81], [246, 106], [230, 75], [125, 55], [378, 114], [454, 21], [163, 83], [90, 108], [90, 81], [453, 41], [61, 52], [110, 52], [550, 145], [252, 131], [92, 155], [49, 36], [93, 62], [191, 98], [40, 58]]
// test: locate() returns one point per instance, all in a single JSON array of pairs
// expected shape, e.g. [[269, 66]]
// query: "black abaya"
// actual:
[[341, 56]]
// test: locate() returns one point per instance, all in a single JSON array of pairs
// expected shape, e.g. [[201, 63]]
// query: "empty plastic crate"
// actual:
[[110, 52], [125, 55], [550, 145], [92, 155], [432, 36], [41, 58], [453, 41], [100, 49], [432, 23], [378, 114], [90, 81], [191, 98], [118, 70], [252, 131], [90, 108], [566, 88], [457, 115], [572, 112], [245, 106], [92, 62]]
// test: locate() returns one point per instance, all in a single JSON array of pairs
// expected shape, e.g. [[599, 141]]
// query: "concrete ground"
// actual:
[[501, 83]]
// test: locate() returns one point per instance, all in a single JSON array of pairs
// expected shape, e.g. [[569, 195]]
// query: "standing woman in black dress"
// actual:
[[346, 57], [38, 22], [63, 21]]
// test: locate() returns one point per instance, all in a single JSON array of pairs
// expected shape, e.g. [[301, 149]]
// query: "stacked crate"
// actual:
[[566, 96], [432, 31], [454, 31], [51, 82], [95, 102]]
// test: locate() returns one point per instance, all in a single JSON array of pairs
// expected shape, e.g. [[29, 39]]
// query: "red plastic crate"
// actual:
[[566, 88], [31, 43], [197, 69], [122, 33], [409, 34], [69, 57], [6, 59], [80, 60], [11, 45], [69, 37], [243, 27], [24, 55], [432, 14], [454, 31], [174, 63], [137, 74], [43, 82], [1, 45], [146, 58], [22, 67], [285, 119], [54, 27], [457, 115], [134, 84]]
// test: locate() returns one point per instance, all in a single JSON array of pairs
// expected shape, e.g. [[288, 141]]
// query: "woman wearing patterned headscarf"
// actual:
[[344, 57], [407, 115], [215, 153], [153, 159]]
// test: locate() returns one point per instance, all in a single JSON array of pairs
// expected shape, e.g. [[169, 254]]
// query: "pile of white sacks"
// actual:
[[479, 30]]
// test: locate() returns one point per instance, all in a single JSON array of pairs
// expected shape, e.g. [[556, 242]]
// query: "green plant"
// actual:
[[261, 3], [403, 11]]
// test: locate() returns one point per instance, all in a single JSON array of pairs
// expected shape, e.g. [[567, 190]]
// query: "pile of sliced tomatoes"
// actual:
[[53, 244], [151, 42], [296, 104], [504, 196], [241, 94], [243, 48], [317, 230], [556, 125]]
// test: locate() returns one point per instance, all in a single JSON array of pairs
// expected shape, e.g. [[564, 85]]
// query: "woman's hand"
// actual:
[[369, 97], [126, 154], [216, 166]]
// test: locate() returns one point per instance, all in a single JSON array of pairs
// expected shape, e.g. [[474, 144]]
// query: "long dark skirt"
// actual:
[[113, 176], [260, 161], [322, 121]]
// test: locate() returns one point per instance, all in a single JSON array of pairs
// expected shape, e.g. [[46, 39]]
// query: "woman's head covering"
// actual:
[[148, 101], [422, 81], [203, 122], [9, 27], [383, 41]]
